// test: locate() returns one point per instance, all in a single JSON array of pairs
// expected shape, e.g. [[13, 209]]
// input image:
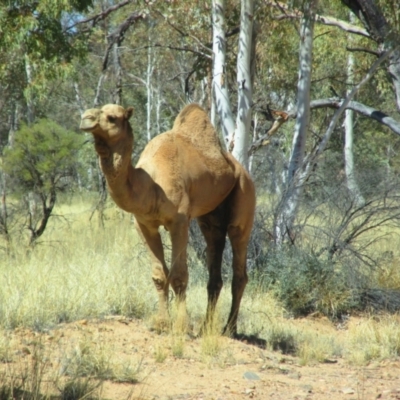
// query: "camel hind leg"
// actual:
[[214, 228], [241, 207]]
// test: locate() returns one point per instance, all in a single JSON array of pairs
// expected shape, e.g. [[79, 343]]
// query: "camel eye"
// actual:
[[111, 119]]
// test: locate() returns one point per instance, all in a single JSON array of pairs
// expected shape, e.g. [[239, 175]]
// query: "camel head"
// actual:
[[109, 126]]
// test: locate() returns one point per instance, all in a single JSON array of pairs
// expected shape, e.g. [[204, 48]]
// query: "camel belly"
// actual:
[[208, 193]]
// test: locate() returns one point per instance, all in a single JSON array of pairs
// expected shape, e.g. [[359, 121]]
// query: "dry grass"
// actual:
[[211, 341], [50, 366], [81, 270], [90, 358], [160, 354], [375, 338]]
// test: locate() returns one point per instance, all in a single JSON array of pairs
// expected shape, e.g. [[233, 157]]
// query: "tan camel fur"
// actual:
[[181, 174]]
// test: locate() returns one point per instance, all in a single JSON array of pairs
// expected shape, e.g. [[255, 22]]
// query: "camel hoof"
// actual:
[[210, 326], [229, 331], [160, 324], [181, 324]]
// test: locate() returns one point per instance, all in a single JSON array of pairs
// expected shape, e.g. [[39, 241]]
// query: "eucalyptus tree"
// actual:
[[349, 135], [288, 206], [299, 166], [220, 83], [236, 135]]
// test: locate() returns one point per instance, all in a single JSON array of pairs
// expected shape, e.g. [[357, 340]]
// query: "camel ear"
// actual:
[[128, 113]]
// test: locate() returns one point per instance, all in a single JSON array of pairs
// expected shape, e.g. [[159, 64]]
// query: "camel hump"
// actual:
[[193, 124]]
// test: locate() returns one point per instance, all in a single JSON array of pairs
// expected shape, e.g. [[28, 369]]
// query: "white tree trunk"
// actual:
[[394, 70], [79, 101], [213, 114], [29, 95], [96, 100], [158, 106], [221, 94], [13, 124], [251, 158], [149, 74], [348, 128], [117, 95], [244, 81], [290, 201]]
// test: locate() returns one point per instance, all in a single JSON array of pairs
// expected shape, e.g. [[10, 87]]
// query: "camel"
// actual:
[[181, 174]]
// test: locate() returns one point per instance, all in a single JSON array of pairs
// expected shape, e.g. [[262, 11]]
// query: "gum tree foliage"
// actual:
[[38, 42], [41, 162], [44, 31]]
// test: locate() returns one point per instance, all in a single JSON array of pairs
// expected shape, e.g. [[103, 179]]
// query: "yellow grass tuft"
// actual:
[[371, 339], [160, 354], [212, 342]]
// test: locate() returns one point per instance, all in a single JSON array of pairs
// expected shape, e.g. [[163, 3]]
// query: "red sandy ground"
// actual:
[[194, 376]]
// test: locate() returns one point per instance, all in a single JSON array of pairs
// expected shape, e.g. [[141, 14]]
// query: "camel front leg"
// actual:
[[178, 276], [160, 271]]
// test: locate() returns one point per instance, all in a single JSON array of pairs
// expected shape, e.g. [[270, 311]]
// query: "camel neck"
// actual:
[[120, 176]]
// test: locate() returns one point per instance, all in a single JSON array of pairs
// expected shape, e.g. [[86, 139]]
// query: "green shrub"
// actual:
[[305, 283]]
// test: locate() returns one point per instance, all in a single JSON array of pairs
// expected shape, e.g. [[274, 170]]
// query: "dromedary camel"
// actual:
[[181, 174]]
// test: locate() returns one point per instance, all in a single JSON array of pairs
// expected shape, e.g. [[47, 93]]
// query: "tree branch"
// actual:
[[200, 53], [364, 49], [279, 118], [343, 105], [184, 34], [296, 14], [118, 35], [360, 108], [207, 46], [99, 17]]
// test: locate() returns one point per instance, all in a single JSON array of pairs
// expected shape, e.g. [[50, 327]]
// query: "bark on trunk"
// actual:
[[29, 96], [348, 133], [117, 96], [221, 94], [149, 74], [244, 81], [47, 205], [290, 201]]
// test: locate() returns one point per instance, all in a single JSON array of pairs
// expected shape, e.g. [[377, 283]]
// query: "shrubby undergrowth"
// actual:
[[343, 254], [304, 283]]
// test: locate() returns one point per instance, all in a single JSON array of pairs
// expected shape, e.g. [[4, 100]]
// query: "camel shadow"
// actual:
[[252, 340]]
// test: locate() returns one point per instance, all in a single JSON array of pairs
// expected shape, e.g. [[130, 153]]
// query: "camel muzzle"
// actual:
[[89, 120], [87, 125]]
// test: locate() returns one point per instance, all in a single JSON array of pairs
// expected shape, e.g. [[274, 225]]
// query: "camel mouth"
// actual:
[[88, 123]]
